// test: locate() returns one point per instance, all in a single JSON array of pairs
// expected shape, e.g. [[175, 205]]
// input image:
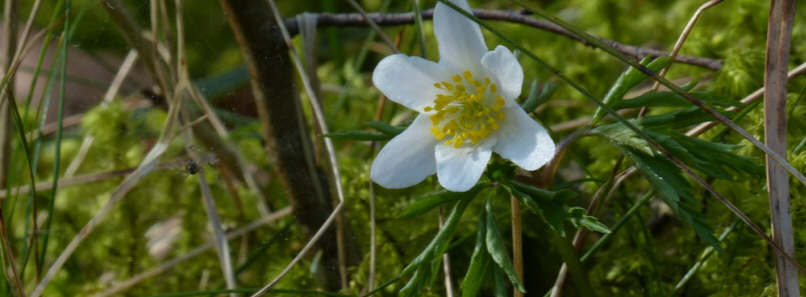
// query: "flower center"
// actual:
[[463, 115]]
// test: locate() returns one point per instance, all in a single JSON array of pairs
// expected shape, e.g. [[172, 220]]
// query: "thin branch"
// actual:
[[684, 35], [679, 44], [396, 19], [374, 26]]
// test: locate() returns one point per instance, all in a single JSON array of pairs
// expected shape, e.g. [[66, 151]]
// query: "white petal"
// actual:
[[410, 80], [459, 169], [503, 65], [461, 44], [408, 158], [522, 140]]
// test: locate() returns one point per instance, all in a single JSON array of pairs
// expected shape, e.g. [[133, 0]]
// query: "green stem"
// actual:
[[623, 220], [574, 265], [59, 129]]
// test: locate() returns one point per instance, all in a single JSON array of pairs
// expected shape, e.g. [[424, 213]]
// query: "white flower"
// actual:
[[467, 110]]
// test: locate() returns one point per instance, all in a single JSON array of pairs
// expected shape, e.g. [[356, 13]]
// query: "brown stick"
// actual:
[[779, 33], [273, 84], [396, 19]]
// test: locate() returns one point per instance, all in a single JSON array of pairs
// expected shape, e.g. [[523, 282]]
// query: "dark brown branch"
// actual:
[[287, 137], [396, 19]]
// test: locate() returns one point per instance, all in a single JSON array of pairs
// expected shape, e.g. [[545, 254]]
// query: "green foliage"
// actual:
[[553, 208], [628, 80], [675, 191], [649, 255], [480, 261], [431, 201], [495, 246], [426, 265], [538, 96]]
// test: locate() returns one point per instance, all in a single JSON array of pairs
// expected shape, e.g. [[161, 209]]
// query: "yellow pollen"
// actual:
[[467, 111]]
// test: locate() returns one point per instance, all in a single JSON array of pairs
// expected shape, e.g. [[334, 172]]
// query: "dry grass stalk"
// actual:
[[779, 34]]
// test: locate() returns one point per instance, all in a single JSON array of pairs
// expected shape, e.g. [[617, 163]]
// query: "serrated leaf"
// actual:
[[620, 134], [715, 158], [549, 205], [386, 128], [580, 219], [671, 99], [497, 249], [479, 262], [356, 135], [675, 191], [431, 201]]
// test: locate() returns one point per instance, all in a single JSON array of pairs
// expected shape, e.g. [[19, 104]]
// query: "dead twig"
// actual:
[[396, 19]]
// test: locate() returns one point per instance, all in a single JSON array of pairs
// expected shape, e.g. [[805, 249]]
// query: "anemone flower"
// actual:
[[467, 110]]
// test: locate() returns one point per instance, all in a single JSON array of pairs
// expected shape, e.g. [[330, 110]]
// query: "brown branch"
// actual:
[[265, 53], [396, 19]]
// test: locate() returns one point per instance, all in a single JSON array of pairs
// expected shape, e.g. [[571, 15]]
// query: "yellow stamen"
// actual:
[[462, 115]]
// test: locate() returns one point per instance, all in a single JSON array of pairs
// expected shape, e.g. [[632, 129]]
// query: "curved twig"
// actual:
[[396, 19]]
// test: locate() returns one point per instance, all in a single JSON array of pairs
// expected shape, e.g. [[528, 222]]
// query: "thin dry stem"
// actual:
[[779, 35], [753, 97], [446, 262], [374, 26], [222, 246], [679, 44], [684, 35], [10, 257], [110, 94], [165, 266], [372, 243], [146, 166], [93, 177]]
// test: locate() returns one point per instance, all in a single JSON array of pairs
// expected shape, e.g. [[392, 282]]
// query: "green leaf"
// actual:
[[356, 135], [677, 119], [675, 190], [429, 202], [386, 128], [620, 134], [415, 285], [713, 159], [423, 265], [580, 219], [479, 261], [497, 249], [628, 80], [671, 99], [538, 96], [549, 205], [499, 284]]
